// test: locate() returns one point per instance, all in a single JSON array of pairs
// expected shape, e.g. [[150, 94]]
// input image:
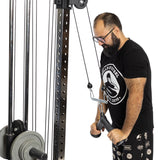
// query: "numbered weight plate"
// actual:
[[23, 143]]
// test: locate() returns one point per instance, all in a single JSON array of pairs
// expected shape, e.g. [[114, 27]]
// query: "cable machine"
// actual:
[[16, 141]]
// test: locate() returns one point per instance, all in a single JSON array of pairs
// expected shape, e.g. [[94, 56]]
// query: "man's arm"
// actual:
[[134, 105], [134, 102], [94, 131], [101, 96]]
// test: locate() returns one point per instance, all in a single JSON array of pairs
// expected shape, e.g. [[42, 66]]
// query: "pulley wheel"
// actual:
[[23, 143], [80, 4], [2, 142]]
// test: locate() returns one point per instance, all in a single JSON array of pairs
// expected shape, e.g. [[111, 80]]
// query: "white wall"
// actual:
[[140, 20]]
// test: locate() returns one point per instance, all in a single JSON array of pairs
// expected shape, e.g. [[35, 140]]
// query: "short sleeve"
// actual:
[[135, 64]]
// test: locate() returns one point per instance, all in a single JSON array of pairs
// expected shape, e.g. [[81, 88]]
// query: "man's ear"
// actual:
[[116, 31]]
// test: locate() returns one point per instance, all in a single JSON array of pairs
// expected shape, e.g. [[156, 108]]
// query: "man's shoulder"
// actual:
[[132, 46], [134, 50]]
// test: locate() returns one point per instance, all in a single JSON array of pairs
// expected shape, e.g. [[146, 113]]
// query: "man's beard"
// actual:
[[109, 50]]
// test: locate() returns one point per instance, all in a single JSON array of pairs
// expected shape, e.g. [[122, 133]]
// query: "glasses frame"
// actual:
[[102, 39]]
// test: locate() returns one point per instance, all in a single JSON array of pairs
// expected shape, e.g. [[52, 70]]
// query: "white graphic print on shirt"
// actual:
[[114, 83]]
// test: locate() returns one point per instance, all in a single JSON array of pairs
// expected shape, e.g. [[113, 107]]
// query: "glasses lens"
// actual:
[[97, 39]]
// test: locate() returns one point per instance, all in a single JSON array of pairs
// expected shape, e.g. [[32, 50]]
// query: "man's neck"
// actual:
[[122, 42]]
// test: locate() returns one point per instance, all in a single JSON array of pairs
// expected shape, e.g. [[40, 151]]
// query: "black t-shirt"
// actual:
[[130, 62]]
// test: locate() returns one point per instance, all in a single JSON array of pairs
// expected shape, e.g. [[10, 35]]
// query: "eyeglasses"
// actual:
[[102, 39]]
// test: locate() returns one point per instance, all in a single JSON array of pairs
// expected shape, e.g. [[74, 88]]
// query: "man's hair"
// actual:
[[109, 19]]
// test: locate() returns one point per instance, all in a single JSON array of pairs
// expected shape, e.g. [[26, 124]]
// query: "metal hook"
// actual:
[[96, 99]]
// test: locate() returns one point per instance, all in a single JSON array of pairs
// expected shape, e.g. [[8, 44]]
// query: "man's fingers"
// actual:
[[109, 134], [94, 130]]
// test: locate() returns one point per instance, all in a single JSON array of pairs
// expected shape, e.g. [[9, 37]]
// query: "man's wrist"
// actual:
[[126, 132], [97, 120]]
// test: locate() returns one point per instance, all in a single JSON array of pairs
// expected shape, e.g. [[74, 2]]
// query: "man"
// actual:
[[126, 76]]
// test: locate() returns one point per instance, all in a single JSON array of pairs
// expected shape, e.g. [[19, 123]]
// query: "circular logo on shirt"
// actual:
[[115, 86]]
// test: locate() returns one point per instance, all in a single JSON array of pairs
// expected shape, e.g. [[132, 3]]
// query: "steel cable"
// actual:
[[92, 36], [89, 84], [80, 42]]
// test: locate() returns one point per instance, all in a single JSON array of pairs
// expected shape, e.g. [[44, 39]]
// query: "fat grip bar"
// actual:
[[104, 123]]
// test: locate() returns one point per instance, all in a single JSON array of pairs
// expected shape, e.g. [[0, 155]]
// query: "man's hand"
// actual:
[[94, 130], [117, 135]]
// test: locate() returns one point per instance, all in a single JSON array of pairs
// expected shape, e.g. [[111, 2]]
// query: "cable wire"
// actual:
[[100, 101], [85, 65], [98, 61], [92, 37]]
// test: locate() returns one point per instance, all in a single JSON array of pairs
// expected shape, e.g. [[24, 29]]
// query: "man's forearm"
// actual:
[[101, 96], [134, 103], [98, 112], [133, 109]]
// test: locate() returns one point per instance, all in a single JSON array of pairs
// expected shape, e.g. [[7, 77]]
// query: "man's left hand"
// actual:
[[116, 135]]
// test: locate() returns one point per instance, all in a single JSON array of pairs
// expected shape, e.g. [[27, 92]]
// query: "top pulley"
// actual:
[[80, 4], [67, 4]]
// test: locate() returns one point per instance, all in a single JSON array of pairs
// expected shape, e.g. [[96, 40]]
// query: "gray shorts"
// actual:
[[137, 147]]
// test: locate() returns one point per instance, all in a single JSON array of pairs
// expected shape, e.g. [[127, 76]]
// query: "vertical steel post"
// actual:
[[26, 69], [61, 83], [9, 133], [63, 21], [11, 56]]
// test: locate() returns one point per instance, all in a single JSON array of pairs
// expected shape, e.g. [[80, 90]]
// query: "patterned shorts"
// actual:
[[137, 147]]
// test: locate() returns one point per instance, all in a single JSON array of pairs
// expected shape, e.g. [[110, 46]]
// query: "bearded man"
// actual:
[[126, 76]]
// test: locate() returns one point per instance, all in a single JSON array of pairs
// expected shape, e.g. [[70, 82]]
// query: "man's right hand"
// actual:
[[94, 130]]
